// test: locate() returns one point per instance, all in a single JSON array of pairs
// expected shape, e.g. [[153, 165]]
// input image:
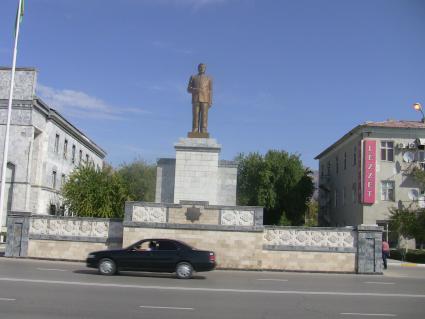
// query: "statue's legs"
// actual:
[[195, 117], [204, 117]]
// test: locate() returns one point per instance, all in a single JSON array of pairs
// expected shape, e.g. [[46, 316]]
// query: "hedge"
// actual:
[[414, 256]]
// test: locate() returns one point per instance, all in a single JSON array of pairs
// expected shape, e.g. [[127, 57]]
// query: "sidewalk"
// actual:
[[393, 262]]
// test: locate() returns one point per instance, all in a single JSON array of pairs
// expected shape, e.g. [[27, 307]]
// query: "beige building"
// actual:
[[367, 172]]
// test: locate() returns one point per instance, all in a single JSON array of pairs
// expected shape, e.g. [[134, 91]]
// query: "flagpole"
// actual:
[[9, 113]]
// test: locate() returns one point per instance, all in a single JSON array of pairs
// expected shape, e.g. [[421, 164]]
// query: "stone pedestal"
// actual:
[[196, 170], [196, 174]]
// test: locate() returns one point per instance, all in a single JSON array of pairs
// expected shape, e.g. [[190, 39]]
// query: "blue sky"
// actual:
[[288, 75]]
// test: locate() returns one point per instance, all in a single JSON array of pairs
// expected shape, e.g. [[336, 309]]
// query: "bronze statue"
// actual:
[[200, 86]]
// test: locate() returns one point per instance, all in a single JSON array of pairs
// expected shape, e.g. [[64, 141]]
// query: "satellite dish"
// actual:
[[413, 194], [408, 157]]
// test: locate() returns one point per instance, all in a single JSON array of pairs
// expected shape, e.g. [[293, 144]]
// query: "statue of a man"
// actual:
[[200, 86]]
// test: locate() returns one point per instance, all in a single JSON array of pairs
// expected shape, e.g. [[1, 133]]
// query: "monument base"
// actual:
[[196, 175], [198, 135]]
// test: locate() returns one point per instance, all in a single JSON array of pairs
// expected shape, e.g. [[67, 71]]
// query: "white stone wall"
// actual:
[[319, 238], [75, 227], [226, 184], [196, 170], [165, 174], [237, 217], [24, 87], [149, 214]]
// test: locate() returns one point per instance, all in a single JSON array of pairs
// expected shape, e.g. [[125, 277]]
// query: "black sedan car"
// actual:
[[154, 255]]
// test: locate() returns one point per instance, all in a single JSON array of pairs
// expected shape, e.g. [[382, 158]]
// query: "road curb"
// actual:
[[407, 264]]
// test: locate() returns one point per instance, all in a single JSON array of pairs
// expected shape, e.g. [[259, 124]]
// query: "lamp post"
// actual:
[[418, 107]]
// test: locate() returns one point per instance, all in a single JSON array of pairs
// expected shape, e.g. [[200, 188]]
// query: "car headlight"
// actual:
[[91, 256]]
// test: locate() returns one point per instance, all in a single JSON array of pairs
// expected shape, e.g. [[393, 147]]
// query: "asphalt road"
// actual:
[[45, 289]]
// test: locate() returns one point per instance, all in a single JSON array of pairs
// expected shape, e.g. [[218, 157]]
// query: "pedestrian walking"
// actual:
[[385, 252]]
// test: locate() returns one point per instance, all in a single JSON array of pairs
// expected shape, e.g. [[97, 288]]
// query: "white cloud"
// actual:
[[80, 104]]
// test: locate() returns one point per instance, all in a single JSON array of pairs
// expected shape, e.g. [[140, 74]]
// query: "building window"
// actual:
[[56, 143], [329, 168], [54, 179], [63, 179], [73, 154], [387, 151], [343, 196], [65, 149], [354, 193], [387, 190], [354, 156], [322, 171], [87, 158], [336, 165], [345, 160], [80, 157]]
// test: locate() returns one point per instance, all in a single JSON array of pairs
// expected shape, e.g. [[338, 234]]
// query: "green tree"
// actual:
[[312, 213], [140, 179], [279, 182], [90, 192], [402, 221]]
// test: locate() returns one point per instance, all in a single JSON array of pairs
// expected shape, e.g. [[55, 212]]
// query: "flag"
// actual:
[[19, 14]]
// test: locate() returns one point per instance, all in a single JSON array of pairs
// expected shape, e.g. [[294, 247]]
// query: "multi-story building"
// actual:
[[44, 148], [368, 171]]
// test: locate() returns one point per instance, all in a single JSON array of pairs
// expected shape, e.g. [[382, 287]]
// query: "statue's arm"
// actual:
[[190, 85], [211, 90]]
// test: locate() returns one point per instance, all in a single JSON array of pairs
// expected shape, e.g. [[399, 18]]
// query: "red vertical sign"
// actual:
[[369, 171]]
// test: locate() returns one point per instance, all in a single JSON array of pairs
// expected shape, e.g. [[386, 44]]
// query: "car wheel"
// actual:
[[107, 267], [184, 270]]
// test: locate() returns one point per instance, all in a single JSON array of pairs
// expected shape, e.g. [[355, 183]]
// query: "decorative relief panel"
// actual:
[[231, 217], [68, 227], [149, 214], [309, 238]]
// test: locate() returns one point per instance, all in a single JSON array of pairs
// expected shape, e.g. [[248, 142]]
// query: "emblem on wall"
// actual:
[[193, 214]]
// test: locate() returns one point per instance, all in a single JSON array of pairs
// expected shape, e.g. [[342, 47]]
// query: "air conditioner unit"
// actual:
[[412, 145], [401, 145]]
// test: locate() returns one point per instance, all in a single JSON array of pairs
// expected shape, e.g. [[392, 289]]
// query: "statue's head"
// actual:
[[201, 68]]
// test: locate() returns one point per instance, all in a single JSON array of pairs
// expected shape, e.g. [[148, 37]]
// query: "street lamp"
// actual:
[[418, 107]]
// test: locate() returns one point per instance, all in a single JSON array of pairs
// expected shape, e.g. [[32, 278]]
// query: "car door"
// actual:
[[137, 257], [165, 257]]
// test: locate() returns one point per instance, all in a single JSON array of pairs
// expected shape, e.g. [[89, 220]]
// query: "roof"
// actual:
[[68, 126], [18, 69], [396, 124]]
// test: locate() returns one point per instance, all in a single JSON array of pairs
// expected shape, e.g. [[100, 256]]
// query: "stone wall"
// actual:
[[189, 212], [309, 249], [234, 249], [165, 173], [71, 237], [240, 241], [235, 235], [249, 248], [24, 86]]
